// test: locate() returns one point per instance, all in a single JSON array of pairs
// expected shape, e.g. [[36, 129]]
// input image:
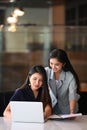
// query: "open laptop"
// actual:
[[27, 111]]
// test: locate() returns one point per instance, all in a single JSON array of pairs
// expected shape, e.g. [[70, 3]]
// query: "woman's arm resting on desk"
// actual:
[[72, 106], [7, 111]]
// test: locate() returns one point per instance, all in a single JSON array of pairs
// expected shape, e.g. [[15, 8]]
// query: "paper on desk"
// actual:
[[64, 116], [71, 115]]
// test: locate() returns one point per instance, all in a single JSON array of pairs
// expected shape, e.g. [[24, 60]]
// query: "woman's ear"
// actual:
[[64, 64], [29, 84]]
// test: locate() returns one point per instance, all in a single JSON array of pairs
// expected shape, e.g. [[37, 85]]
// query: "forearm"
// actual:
[[7, 112], [72, 106], [47, 112]]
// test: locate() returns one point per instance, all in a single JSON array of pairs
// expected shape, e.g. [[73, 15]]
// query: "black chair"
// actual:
[[4, 100]]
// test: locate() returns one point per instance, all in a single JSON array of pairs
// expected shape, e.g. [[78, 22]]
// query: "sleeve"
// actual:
[[73, 90], [53, 98], [17, 96], [48, 72]]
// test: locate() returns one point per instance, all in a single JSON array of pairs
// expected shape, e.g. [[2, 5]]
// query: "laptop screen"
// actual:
[[27, 111]]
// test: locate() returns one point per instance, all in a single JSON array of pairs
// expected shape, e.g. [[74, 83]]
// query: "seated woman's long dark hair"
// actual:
[[45, 97]]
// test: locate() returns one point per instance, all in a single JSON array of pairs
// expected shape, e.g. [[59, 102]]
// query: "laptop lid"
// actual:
[[27, 111]]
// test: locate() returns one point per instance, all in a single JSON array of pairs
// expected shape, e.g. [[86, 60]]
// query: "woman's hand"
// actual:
[[47, 111], [7, 111]]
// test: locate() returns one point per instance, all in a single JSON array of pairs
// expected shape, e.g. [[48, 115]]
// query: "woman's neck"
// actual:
[[35, 93], [57, 75]]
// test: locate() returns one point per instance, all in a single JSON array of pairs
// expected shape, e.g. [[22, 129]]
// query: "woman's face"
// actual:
[[36, 81], [55, 65]]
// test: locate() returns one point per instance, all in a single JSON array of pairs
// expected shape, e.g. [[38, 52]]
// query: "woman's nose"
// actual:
[[37, 82], [53, 66]]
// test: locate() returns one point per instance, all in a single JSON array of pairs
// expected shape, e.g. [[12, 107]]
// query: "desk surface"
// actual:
[[79, 123]]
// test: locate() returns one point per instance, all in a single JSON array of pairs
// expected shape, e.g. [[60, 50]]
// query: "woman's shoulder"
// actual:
[[69, 75], [17, 94], [47, 69], [21, 90], [18, 91]]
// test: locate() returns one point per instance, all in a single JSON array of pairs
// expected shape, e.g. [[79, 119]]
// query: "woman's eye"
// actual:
[[34, 78]]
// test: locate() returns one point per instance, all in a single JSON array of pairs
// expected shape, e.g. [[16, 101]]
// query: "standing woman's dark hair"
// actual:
[[62, 57], [45, 98]]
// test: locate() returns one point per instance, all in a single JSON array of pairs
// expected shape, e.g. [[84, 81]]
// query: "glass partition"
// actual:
[[24, 46]]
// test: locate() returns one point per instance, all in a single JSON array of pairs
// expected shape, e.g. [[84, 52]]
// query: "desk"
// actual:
[[80, 123]]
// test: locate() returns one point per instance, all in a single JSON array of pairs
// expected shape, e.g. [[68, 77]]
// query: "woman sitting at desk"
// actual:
[[34, 89]]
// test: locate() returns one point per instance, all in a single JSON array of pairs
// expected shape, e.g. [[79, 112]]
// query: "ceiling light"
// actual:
[[11, 20], [11, 0], [18, 12]]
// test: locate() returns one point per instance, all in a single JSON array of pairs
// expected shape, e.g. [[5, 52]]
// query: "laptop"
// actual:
[[27, 111]]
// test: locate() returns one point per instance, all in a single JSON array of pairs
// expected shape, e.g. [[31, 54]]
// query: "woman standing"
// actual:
[[63, 82]]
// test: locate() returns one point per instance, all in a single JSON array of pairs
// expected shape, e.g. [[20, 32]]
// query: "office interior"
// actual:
[[45, 25]]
